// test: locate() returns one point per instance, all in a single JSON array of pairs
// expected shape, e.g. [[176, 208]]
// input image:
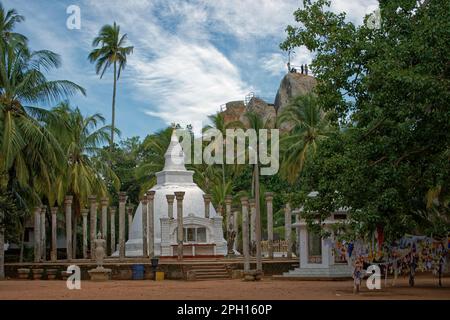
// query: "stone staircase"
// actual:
[[210, 271]]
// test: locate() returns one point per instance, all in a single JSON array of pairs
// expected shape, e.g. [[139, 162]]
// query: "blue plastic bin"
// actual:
[[138, 271]]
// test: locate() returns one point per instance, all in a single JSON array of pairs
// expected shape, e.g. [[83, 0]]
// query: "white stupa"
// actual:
[[203, 236]]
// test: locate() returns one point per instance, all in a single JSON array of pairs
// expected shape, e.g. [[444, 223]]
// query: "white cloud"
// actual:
[[176, 72], [179, 77], [355, 10], [275, 64], [187, 83]]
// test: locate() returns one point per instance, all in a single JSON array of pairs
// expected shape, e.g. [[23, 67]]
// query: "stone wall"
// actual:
[[124, 271]]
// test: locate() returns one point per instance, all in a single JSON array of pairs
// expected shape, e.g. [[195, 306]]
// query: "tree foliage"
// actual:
[[389, 89]]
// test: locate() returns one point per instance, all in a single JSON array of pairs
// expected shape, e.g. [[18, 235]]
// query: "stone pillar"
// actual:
[[252, 222], [219, 210], [269, 203], [228, 201], [122, 202], [245, 234], [288, 228], [42, 231], [93, 224], [144, 208], [170, 198], [236, 229], [104, 217], [151, 223], [37, 234], [84, 214], [68, 208], [180, 196], [207, 200], [130, 220], [112, 213], [54, 252]]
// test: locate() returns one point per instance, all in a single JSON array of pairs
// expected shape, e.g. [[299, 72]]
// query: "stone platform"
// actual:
[[172, 268], [333, 272]]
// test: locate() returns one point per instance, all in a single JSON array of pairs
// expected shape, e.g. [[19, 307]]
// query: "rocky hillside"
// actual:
[[292, 84]]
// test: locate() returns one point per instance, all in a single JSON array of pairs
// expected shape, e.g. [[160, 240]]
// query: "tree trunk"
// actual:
[[113, 111], [22, 240], [258, 221]]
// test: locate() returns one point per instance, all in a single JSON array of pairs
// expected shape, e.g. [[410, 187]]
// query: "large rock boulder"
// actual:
[[265, 110], [292, 85], [234, 111]]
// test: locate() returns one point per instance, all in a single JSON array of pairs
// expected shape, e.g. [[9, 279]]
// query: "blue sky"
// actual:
[[189, 57]]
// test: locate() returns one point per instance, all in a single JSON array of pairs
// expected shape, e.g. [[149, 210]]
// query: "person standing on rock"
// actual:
[[306, 69], [301, 67]]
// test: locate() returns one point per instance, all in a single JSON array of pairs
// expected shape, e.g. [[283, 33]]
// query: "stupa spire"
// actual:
[[174, 156]]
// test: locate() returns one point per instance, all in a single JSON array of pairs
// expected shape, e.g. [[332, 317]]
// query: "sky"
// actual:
[[190, 57]]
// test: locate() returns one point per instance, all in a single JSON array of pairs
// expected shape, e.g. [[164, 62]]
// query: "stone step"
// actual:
[[211, 276], [220, 267], [210, 271], [206, 272]]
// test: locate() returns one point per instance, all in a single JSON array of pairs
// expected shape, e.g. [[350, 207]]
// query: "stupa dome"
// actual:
[[174, 177]]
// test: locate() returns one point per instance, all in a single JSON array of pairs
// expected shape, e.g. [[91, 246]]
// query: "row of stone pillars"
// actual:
[[148, 228], [249, 227], [40, 232], [249, 222]]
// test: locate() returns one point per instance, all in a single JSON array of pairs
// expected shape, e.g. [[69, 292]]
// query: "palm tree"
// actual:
[[256, 122], [309, 125], [30, 156], [81, 142], [154, 148], [8, 20], [221, 188], [29, 152], [218, 122], [112, 51]]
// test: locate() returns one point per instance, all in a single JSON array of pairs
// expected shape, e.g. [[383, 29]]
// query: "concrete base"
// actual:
[[237, 274], [51, 274], [37, 273], [253, 275], [100, 274], [23, 273], [191, 275]]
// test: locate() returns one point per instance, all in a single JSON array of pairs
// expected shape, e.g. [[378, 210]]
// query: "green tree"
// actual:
[[81, 140], [30, 156], [388, 90], [30, 153], [308, 126], [8, 20], [111, 51], [154, 147], [81, 175], [256, 122]]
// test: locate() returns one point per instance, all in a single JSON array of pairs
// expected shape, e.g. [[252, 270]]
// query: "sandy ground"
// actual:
[[426, 288]]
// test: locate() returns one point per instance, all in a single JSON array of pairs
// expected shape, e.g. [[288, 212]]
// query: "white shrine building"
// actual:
[[203, 236], [318, 256]]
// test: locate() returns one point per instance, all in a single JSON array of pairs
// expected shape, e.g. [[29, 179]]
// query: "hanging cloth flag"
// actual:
[[350, 249]]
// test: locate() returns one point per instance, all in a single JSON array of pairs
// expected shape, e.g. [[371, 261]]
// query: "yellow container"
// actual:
[[159, 276]]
